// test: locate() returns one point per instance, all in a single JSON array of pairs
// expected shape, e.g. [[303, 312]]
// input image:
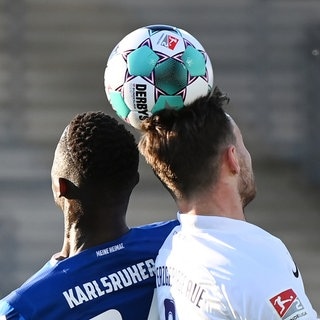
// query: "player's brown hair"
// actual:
[[183, 146]]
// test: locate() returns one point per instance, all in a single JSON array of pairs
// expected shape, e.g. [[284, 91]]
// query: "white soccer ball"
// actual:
[[153, 68]]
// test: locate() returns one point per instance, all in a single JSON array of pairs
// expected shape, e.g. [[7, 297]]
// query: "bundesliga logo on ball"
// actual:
[[154, 68]]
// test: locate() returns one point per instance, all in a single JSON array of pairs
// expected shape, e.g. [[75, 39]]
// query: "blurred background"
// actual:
[[266, 56]]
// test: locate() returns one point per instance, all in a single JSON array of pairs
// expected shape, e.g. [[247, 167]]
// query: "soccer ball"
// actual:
[[153, 68]]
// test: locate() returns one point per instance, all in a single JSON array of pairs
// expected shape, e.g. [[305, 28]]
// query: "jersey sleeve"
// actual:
[[7, 312]]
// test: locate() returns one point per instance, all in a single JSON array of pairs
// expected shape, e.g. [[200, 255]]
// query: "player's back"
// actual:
[[115, 280]]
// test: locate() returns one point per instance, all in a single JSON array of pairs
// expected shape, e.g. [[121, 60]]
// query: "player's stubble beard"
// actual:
[[247, 185]]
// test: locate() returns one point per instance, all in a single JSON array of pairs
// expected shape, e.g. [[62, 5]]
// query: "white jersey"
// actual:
[[220, 268]]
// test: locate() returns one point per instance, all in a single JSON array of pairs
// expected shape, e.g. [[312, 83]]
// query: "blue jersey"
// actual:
[[115, 281]]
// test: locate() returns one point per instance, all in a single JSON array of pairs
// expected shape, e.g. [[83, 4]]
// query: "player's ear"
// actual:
[[67, 189], [63, 187], [232, 159]]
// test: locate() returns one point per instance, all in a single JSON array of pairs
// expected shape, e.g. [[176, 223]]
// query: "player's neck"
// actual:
[[221, 202], [81, 236], [214, 210]]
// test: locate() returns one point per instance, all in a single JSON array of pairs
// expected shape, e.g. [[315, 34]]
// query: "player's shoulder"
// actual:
[[7, 312], [156, 230], [158, 226]]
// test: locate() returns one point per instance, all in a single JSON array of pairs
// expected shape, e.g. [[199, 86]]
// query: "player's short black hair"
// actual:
[[99, 151], [183, 146]]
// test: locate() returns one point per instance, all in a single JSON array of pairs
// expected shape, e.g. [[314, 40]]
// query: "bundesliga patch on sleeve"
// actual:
[[288, 305]]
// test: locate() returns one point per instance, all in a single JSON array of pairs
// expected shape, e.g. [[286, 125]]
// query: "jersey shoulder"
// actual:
[[154, 232], [161, 226], [7, 312]]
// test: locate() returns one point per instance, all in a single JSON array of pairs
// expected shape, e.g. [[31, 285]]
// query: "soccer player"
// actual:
[[215, 264], [105, 270]]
